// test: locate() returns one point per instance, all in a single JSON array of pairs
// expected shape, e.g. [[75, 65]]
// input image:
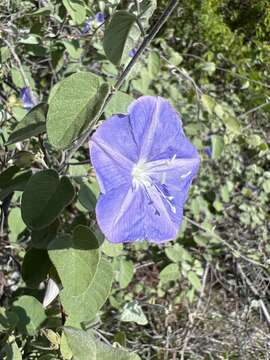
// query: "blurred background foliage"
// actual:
[[206, 295]]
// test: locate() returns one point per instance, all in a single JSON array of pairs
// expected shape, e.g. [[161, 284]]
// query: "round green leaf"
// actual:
[[44, 198], [75, 102]]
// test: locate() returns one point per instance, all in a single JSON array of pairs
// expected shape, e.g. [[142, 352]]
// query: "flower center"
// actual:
[[148, 175], [139, 175]]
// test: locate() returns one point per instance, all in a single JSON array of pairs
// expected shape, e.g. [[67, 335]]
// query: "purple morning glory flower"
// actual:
[[100, 17], [25, 96], [132, 52], [87, 25], [144, 165]]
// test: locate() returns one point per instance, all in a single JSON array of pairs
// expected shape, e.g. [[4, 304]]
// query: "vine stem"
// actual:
[[172, 4]]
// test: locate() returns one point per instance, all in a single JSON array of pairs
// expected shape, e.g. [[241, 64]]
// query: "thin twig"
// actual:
[[235, 252], [255, 292], [22, 72], [254, 109], [229, 71], [193, 316]]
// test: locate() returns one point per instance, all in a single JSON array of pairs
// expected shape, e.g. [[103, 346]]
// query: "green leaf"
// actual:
[[15, 223], [112, 250], [266, 186], [76, 101], [18, 79], [177, 253], [254, 140], [116, 35], [132, 312], [232, 124], [217, 146], [76, 9], [142, 84], [40, 239], [154, 64], [16, 354], [88, 194], [126, 270], [32, 124], [169, 273], [36, 266], [8, 320], [81, 343], [209, 67], [147, 8], [76, 258], [73, 48], [118, 104], [13, 179], [173, 56], [44, 198], [43, 11], [194, 280], [84, 345], [208, 103], [64, 347], [30, 313]]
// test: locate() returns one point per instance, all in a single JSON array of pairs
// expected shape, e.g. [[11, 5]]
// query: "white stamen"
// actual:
[[139, 174], [185, 175], [144, 175]]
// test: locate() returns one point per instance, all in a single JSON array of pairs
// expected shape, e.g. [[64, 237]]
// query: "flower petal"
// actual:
[[156, 126], [113, 153], [127, 215]]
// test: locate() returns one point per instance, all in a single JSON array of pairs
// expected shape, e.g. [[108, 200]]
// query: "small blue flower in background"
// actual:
[[144, 165], [100, 17], [27, 100], [87, 25], [132, 52], [208, 151]]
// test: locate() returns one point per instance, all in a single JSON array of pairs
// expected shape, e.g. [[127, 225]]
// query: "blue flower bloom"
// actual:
[[25, 96], [87, 25], [100, 17], [132, 52], [144, 165]]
